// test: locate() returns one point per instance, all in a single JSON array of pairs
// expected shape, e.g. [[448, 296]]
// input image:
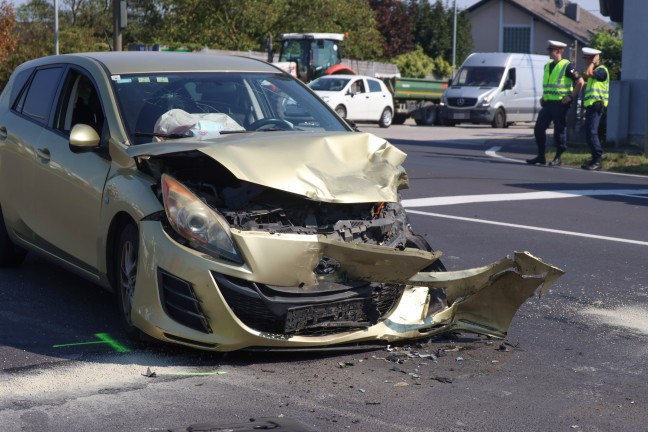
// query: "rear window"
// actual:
[[374, 86], [38, 101], [19, 83]]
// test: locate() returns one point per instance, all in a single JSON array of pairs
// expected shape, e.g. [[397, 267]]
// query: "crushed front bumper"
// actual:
[[178, 297]]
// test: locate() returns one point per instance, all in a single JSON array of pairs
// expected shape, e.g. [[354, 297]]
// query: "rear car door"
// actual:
[[378, 99], [61, 190]]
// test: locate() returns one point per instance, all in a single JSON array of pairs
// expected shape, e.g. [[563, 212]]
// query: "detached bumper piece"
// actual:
[[483, 300]]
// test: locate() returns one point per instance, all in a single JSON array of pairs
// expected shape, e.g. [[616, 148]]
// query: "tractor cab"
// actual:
[[313, 55]]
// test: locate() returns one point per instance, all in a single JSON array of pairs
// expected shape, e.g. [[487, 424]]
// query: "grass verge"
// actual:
[[624, 160]]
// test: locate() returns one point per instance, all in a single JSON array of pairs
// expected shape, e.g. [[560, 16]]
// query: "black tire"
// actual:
[[341, 111], [419, 242], [399, 119], [429, 116], [126, 263], [386, 118], [10, 254], [499, 121]]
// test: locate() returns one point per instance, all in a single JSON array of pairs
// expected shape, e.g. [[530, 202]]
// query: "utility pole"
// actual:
[[119, 23], [454, 38]]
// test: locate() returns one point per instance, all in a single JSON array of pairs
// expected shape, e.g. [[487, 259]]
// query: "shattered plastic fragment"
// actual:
[[149, 374]]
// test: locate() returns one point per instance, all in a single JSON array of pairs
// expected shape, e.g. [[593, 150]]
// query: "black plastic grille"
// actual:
[[467, 102], [265, 308], [180, 302]]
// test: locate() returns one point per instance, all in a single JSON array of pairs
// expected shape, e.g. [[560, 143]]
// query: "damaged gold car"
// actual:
[[228, 207]]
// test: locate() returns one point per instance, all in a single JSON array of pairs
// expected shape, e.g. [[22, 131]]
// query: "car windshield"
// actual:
[[329, 84], [175, 105], [479, 76]]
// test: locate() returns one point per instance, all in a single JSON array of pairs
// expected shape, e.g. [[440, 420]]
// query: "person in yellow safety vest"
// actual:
[[595, 101], [561, 84]]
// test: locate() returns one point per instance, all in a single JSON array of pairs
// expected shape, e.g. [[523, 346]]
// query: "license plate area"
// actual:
[[460, 116], [347, 313]]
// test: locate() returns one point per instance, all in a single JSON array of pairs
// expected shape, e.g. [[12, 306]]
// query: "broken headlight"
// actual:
[[194, 220]]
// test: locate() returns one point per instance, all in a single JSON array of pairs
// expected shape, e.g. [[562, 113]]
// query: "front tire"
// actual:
[[126, 260], [10, 254], [386, 118], [499, 121], [419, 242], [341, 111]]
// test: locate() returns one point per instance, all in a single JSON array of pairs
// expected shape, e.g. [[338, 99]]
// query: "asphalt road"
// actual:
[[574, 359]]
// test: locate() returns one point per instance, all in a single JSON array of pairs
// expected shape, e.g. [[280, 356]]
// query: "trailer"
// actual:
[[416, 98]]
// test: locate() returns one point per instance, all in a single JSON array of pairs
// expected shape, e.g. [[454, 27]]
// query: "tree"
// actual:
[[609, 41], [394, 25], [39, 11], [7, 36], [414, 64], [433, 29], [244, 24]]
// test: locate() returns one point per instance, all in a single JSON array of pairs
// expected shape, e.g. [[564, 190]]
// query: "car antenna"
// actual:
[[107, 41]]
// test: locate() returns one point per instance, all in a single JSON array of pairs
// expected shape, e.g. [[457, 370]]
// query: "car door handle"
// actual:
[[44, 154], [3, 133]]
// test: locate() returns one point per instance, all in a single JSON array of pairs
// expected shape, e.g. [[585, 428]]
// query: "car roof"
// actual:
[[127, 62], [349, 76]]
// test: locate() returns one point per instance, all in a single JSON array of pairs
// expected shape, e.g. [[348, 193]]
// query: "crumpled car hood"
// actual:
[[330, 167]]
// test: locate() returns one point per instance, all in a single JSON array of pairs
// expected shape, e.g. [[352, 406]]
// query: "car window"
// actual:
[[511, 76], [329, 84], [374, 86], [19, 84], [231, 102], [358, 86], [37, 101], [80, 104], [479, 76]]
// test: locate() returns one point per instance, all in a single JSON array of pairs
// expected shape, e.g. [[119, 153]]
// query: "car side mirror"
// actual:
[[508, 84], [450, 82], [83, 138]]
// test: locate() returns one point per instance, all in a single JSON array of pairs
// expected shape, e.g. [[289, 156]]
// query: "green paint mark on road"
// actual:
[[104, 338]]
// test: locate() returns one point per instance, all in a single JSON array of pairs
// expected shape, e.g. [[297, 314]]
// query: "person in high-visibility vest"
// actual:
[[595, 101], [561, 84]]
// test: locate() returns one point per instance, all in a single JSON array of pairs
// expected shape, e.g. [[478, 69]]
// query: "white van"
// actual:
[[495, 88]]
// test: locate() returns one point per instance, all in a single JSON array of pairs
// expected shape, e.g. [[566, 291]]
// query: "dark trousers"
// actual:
[[554, 111], [593, 114]]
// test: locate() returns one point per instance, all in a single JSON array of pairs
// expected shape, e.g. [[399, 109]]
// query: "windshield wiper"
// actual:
[[162, 135], [227, 132]]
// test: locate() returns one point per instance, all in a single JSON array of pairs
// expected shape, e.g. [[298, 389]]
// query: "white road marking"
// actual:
[[532, 228], [521, 196], [492, 152]]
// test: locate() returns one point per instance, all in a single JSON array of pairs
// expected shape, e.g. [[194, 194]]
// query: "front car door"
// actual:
[[357, 100]]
